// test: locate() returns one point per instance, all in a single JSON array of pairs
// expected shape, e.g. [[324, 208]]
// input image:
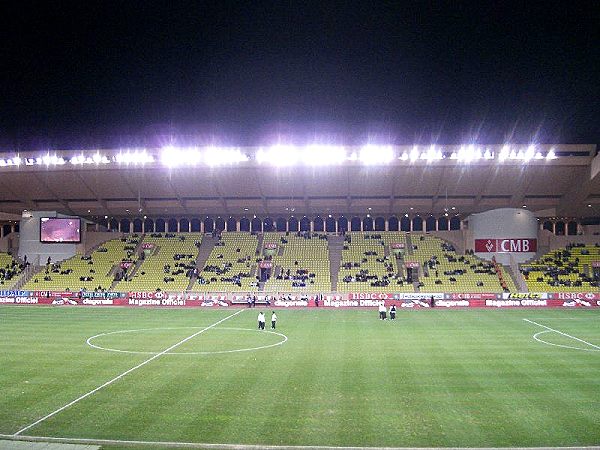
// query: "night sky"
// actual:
[[87, 74]]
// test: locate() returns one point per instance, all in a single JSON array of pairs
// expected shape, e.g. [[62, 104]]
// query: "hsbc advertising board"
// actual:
[[326, 300], [507, 245]]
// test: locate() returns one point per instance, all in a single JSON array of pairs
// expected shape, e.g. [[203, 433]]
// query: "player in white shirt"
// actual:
[[261, 320], [382, 311], [273, 320]]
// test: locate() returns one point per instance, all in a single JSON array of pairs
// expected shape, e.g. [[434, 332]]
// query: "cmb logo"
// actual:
[[508, 245]]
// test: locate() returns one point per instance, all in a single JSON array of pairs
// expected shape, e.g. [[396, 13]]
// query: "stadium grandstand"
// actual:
[[307, 219]]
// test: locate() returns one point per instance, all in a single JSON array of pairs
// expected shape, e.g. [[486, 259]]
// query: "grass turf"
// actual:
[[470, 378]]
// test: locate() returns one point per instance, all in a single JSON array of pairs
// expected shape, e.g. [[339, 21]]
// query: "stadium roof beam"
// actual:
[[580, 192], [103, 203], [483, 187], [65, 205]]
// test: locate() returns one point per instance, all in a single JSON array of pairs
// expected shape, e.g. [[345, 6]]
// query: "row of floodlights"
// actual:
[[284, 155]]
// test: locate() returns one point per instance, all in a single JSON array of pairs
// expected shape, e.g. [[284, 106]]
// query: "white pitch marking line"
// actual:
[[259, 446], [564, 334], [216, 352], [118, 377]]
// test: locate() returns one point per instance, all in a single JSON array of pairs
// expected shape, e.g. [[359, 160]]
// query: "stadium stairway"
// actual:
[[24, 277], [409, 245], [206, 247], [517, 278], [260, 238], [336, 244]]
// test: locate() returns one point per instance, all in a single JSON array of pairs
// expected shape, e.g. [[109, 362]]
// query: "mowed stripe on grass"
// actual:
[[433, 378]]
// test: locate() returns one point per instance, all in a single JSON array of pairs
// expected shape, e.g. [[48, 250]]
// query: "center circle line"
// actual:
[[90, 339]]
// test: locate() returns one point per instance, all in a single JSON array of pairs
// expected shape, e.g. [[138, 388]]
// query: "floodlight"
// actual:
[[504, 153], [215, 156], [414, 154], [529, 154], [278, 155], [132, 157], [324, 155], [432, 154], [176, 156], [376, 154], [551, 154]]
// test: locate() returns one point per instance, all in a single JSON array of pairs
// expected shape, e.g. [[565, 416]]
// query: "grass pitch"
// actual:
[[432, 378]]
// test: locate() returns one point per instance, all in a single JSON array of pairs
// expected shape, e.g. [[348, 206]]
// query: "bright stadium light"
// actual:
[[414, 154], [175, 156], [551, 155], [279, 155], [14, 161], [432, 154], [134, 157], [324, 155], [529, 154], [371, 154], [504, 153], [216, 156], [469, 153]]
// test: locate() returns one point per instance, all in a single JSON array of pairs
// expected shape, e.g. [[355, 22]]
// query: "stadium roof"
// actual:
[[550, 179]]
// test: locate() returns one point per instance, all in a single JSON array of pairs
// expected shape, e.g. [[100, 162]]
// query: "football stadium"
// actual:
[[129, 319], [285, 225]]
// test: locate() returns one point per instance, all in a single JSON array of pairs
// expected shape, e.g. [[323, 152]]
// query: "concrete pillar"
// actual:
[[387, 225]]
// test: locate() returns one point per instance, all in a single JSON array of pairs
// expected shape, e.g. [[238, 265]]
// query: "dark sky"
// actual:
[[113, 73]]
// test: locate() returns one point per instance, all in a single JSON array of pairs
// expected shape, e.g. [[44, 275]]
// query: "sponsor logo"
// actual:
[[473, 296], [266, 264], [452, 303], [288, 303], [411, 264], [213, 303], [507, 245], [509, 303], [97, 301], [524, 295], [421, 296], [369, 296], [19, 300], [15, 293], [397, 245], [577, 295], [270, 246], [365, 303]]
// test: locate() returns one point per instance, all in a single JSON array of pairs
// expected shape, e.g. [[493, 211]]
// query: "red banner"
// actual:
[[265, 265], [507, 245], [303, 300], [147, 245], [411, 264]]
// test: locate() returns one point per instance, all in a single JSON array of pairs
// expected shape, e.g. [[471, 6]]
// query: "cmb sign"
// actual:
[[508, 245]]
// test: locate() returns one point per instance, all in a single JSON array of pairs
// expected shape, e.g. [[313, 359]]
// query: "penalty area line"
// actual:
[[167, 444], [564, 334], [118, 377]]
